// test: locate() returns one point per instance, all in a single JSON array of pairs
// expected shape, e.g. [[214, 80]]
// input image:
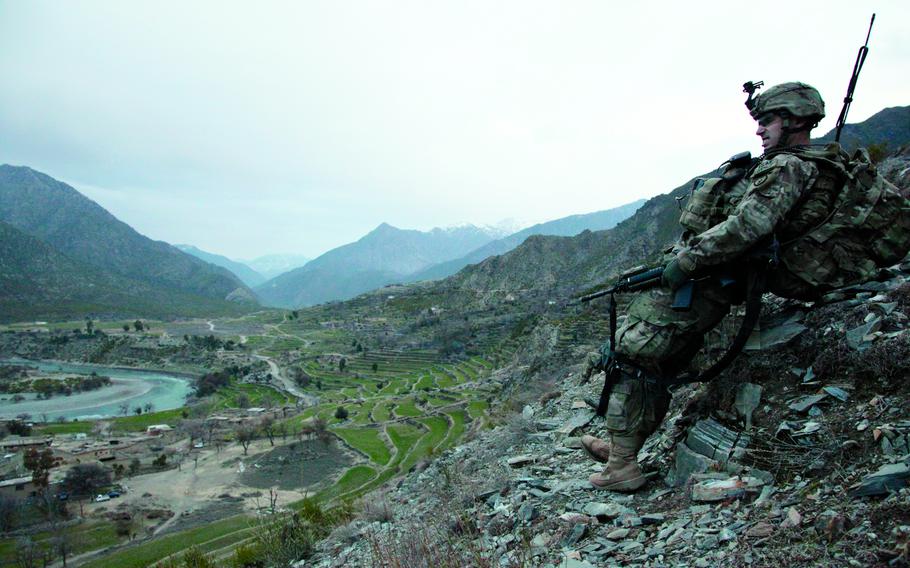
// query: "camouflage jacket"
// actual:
[[785, 195]]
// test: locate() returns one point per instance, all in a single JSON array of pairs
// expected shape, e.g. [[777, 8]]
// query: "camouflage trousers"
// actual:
[[662, 342]]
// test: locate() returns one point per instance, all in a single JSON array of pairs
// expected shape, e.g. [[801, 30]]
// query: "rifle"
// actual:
[[642, 278], [637, 279], [857, 67]]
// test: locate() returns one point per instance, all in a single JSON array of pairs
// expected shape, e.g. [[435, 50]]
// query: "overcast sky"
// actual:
[[248, 128]]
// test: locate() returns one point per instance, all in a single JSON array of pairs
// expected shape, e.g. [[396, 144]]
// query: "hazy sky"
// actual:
[[248, 128]]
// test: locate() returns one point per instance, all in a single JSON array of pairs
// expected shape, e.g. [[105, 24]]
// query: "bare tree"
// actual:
[[195, 429], [268, 426], [29, 554], [134, 466], [245, 436]]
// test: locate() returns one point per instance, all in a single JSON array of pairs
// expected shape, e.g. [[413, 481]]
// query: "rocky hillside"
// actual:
[[889, 128]]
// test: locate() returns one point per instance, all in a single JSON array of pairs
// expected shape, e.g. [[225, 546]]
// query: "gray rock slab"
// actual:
[[856, 337], [575, 534], [773, 333], [838, 393], [580, 419], [888, 479], [804, 403]]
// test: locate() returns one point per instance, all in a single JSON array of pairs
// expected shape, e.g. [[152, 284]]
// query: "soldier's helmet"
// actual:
[[798, 99]]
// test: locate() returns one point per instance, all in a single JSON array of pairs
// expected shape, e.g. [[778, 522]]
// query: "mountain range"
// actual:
[[390, 255], [383, 256], [72, 248], [565, 227]]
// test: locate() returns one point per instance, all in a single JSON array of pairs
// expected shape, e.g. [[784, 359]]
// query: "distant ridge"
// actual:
[[246, 274], [890, 126], [385, 255], [566, 227], [272, 265]]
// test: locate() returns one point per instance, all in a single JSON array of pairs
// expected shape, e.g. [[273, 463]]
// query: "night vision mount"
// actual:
[[750, 87]]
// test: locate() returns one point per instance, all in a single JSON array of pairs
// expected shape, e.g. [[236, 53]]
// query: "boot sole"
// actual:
[[627, 486]]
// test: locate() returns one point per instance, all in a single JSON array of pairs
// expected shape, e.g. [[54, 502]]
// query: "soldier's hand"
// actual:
[[592, 365], [673, 276]]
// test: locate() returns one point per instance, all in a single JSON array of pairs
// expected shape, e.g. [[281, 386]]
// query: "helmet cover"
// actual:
[[799, 99]]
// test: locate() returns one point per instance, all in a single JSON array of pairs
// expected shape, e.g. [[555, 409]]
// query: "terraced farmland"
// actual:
[[421, 407]]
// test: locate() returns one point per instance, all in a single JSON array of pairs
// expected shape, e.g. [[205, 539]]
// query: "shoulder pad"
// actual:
[[740, 160]]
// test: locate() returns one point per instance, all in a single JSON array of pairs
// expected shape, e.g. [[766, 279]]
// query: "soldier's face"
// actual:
[[770, 129]]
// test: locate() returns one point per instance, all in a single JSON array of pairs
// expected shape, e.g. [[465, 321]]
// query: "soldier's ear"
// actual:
[[801, 124]]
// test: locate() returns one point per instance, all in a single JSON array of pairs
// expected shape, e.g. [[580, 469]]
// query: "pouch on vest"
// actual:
[[869, 229], [704, 208]]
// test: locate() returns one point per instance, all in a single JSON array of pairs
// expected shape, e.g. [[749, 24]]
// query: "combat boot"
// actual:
[[622, 472], [597, 449]]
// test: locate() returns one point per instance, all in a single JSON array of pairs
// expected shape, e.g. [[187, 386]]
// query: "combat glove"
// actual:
[[673, 276]]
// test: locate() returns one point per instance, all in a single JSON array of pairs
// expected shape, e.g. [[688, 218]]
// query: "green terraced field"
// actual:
[[353, 478], [403, 436], [438, 427], [256, 395], [381, 412], [407, 408], [367, 440], [477, 409]]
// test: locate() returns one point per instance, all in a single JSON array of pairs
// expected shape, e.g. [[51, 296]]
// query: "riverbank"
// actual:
[[130, 389]]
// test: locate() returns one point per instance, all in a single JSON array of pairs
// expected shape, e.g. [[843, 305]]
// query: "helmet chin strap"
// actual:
[[787, 130]]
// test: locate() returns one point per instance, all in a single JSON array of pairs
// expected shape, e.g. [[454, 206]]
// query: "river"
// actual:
[[136, 387]]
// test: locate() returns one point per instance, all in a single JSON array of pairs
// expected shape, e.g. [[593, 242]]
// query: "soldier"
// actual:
[[778, 197]]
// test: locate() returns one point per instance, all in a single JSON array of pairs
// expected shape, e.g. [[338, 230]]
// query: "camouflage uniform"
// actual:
[[769, 200], [784, 195]]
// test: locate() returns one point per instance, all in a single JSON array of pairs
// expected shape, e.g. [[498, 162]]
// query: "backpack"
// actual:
[[868, 228]]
